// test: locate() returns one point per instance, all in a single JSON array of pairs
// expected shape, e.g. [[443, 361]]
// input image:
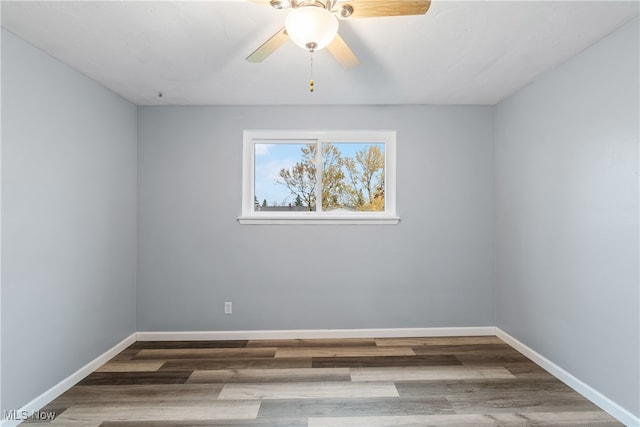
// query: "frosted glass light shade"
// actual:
[[311, 27]]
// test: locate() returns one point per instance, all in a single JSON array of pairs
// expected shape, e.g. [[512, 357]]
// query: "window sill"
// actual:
[[324, 220]]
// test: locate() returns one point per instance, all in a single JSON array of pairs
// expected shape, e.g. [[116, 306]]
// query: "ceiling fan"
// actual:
[[313, 24]]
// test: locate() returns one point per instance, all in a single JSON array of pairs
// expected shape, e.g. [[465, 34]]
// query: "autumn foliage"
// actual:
[[352, 183]]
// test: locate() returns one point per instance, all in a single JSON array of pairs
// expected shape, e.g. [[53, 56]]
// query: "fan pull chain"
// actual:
[[311, 82]]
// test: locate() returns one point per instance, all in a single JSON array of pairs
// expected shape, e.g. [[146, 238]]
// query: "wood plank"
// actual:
[[528, 370], [130, 366], [328, 342], [553, 419], [260, 422], [491, 359], [127, 354], [211, 410], [428, 373], [418, 341], [354, 407], [130, 378], [270, 375], [189, 344], [419, 421], [509, 401], [468, 349], [205, 353], [571, 419], [481, 386], [312, 390], [75, 423], [297, 352], [114, 394], [206, 364], [388, 361]]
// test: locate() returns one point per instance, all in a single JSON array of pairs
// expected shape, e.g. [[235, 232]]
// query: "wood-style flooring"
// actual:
[[460, 381]]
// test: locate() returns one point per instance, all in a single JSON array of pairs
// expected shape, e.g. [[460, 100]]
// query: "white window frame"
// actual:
[[253, 137]]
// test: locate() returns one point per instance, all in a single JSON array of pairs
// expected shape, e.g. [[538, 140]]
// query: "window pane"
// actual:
[[285, 177], [353, 177]]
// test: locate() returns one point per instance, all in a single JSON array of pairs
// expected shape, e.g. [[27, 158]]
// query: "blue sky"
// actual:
[[271, 158]]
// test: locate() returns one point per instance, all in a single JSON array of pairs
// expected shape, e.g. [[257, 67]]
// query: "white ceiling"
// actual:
[[475, 52]]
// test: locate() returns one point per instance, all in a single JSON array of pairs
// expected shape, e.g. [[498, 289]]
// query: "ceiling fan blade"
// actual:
[[268, 47], [376, 8], [341, 52]]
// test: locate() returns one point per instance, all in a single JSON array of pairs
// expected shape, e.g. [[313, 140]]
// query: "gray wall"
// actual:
[[69, 221], [567, 216], [433, 269]]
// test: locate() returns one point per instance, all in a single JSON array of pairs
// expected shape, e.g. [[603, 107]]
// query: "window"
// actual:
[[319, 177]]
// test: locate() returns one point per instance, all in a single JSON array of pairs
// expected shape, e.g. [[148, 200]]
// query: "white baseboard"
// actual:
[[606, 404], [64, 385], [315, 333]]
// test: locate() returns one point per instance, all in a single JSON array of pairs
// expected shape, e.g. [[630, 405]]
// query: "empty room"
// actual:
[[320, 213]]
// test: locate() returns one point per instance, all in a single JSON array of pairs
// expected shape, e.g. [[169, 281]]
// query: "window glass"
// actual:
[[285, 177], [353, 177]]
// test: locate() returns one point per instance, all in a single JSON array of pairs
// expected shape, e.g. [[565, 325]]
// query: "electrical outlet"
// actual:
[[228, 307]]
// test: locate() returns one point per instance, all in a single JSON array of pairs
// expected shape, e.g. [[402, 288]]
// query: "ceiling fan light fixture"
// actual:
[[346, 11], [311, 27], [280, 4]]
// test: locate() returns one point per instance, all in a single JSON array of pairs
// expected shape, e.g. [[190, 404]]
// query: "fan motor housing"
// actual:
[[293, 4]]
